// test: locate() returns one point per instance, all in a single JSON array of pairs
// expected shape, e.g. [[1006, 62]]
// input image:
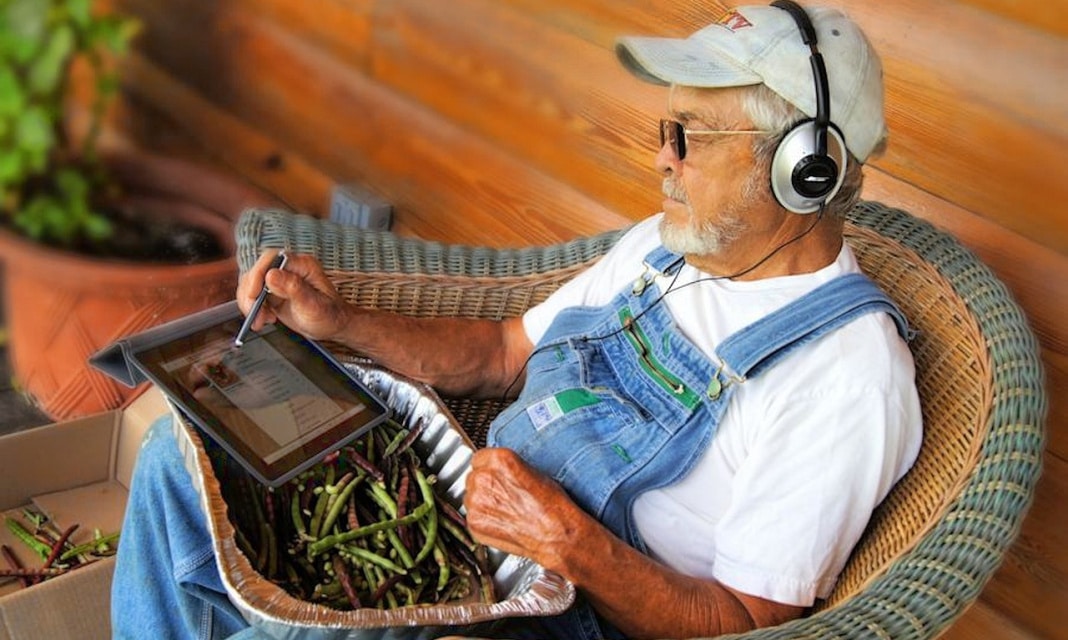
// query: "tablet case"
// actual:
[[117, 361]]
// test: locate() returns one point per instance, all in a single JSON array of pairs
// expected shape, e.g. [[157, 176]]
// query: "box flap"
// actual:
[[137, 417], [56, 457], [76, 605]]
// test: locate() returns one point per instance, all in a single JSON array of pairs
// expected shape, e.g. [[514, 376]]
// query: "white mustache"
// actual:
[[675, 191]]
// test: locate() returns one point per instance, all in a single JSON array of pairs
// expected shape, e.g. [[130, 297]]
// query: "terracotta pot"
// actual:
[[62, 307]]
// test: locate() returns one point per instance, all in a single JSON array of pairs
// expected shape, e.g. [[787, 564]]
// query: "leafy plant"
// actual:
[[48, 190]]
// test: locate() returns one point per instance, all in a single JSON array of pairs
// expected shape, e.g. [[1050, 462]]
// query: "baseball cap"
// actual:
[[763, 44]]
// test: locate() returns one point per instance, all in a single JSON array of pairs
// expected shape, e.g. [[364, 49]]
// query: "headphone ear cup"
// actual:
[[801, 179], [815, 176]]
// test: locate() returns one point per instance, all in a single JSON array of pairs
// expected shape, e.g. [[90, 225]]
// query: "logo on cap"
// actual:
[[734, 21]]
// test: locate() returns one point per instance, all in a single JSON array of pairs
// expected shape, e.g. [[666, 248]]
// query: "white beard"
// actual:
[[698, 236]]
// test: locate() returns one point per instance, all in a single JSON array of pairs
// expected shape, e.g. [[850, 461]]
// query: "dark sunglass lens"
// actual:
[[673, 133], [680, 141]]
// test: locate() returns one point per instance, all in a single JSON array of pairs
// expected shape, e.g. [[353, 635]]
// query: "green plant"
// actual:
[[50, 191]]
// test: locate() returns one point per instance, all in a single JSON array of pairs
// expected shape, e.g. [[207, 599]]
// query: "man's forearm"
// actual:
[[457, 356], [512, 507], [645, 599]]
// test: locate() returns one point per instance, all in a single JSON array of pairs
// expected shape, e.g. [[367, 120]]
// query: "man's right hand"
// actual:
[[301, 296], [458, 356]]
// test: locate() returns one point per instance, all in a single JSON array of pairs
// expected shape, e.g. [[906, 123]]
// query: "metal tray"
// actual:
[[523, 587]]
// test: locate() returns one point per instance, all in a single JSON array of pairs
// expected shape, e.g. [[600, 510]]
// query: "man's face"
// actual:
[[712, 195]]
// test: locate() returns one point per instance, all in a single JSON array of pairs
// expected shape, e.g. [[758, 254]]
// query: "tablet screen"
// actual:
[[278, 403]]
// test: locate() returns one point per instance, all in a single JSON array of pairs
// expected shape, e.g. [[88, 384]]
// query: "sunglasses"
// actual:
[[674, 133]]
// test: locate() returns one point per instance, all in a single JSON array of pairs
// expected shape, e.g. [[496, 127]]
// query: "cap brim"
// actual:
[[684, 62]]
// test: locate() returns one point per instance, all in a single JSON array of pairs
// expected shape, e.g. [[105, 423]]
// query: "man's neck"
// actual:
[[802, 244]]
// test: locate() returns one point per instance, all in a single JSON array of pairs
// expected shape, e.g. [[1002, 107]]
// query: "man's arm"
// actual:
[[456, 356], [643, 598]]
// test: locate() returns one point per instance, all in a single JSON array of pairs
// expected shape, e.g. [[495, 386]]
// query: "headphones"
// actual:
[[809, 163]]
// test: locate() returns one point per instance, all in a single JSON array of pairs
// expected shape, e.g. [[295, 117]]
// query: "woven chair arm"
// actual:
[[344, 249]]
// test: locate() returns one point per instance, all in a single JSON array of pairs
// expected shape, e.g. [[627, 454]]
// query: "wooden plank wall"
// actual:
[[508, 123]]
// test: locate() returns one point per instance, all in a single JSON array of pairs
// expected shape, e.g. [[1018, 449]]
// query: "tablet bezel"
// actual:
[[150, 359]]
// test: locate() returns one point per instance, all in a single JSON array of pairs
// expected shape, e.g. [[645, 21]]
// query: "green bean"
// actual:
[[33, 543], [402, 551], [395, 443], [297, 517], [374, 558], [379, 495], [272, 551], [340, 501], [461, 536], [321, 545], [320, 510], [432, 516], [443, 564], [90, 547]]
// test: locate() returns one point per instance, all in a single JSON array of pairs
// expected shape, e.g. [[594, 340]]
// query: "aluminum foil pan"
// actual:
[[523, 587]]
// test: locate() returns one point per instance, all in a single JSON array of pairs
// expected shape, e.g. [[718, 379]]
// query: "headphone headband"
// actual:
[[805, 173], [819, 70]]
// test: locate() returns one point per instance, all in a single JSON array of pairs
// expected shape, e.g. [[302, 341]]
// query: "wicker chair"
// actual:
[[936, 540]]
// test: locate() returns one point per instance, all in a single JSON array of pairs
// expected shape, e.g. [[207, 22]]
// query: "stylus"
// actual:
[[278, 262]]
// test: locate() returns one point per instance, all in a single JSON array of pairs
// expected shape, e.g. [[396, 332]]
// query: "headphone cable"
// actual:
[[670, 288]]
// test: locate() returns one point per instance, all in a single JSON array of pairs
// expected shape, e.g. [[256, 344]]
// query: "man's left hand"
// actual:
[[514, 508]]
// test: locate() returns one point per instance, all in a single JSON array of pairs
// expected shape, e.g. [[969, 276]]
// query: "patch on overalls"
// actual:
[[544, 413]]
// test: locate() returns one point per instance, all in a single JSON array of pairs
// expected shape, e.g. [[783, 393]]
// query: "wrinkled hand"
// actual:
[[301, 296], [514, 508]]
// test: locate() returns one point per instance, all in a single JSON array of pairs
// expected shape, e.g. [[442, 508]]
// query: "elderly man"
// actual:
[[708, 415]]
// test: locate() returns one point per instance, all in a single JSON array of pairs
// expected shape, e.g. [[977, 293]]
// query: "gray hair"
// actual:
[[771, 112]]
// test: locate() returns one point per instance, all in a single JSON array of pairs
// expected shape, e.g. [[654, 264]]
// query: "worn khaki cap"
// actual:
[[763, 45]]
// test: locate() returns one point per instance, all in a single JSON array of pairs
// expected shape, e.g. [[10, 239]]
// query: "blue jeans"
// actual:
[[166, 582]]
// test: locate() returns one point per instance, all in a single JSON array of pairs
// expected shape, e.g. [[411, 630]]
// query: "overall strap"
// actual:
[[659, 261], [827, 307], [662, 259]]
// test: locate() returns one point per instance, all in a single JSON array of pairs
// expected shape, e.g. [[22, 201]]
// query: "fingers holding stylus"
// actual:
[[251, 286], [301, 295]]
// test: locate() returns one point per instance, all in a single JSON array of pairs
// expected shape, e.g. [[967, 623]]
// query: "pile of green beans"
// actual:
[[363, 528], [52, 546]]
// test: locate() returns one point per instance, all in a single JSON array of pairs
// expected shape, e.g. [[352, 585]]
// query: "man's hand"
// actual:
[[514, 508], [457, 356], [302, 297]]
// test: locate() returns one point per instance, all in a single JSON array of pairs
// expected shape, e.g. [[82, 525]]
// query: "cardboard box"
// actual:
[[77, 472]]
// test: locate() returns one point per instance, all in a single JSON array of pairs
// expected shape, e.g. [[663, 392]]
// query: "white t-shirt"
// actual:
[[804, 452]]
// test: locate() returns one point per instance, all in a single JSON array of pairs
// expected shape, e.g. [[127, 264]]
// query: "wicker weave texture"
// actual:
[[944, 529], [954, 381]]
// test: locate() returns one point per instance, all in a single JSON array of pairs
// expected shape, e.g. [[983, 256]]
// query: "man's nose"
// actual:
[[667, 161]]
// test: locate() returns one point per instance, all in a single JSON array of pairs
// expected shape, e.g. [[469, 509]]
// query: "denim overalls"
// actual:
[[618, 402]]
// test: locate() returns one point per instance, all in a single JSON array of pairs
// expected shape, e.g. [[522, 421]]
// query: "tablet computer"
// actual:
[[277, 404]]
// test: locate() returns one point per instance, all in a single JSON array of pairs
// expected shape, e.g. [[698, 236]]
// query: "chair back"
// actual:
[[954, 380]]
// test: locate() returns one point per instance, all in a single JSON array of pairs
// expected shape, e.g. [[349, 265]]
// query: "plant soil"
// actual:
[[144, 238]]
